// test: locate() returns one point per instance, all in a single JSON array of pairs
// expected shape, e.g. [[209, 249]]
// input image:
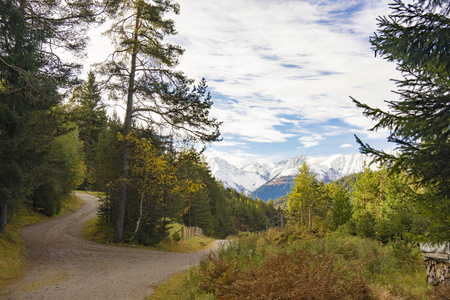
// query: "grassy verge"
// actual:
[[12, 247], [96, 194], [291, 263], [95, 232], [180, 286]]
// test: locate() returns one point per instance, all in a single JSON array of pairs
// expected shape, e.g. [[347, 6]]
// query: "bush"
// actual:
[[366, 225], [47, 198], [176, 236], [296, 264], [301, 274]]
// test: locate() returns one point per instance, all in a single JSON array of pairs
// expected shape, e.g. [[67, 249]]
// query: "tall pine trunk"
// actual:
[[3, 211], [120, 216]]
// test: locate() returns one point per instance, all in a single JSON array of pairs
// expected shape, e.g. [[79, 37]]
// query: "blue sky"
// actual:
[[281, 73]]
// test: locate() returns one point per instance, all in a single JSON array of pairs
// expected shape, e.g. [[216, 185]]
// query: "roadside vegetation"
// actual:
[[353, 240], [95, 231], [12, 248], [294, 263]]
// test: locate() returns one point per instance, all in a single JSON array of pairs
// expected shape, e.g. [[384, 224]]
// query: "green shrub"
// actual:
[[47, 198], [176, 236]]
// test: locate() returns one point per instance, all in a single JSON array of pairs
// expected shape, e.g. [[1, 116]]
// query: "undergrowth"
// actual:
[[98, 232], [296, 264]]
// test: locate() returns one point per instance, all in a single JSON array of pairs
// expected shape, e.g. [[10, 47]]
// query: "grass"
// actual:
[[96, 194], [291, 263], [12, 248], [96, 232], [179, 287]]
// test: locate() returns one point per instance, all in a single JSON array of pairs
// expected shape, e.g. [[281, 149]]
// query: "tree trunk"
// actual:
[[310, 215], [120, 217], [301, 215], [138, 223], [3, 211]]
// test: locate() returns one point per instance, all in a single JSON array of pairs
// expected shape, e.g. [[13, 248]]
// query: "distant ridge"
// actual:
[[273, 180]]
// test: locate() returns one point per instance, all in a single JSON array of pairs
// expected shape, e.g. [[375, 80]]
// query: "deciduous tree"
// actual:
[[304, 194]]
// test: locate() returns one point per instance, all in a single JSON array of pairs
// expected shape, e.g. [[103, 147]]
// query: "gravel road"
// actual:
[[62, 265]]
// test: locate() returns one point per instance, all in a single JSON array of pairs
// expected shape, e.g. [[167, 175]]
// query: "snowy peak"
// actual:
[[241, 179], [253, 175]]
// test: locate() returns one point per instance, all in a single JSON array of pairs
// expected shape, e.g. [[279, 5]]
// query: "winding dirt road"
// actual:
[[62, 265]]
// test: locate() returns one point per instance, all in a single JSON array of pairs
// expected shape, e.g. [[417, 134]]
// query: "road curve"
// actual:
[[62, 265]]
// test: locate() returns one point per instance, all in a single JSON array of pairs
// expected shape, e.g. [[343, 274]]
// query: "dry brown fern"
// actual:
[[298, 275]]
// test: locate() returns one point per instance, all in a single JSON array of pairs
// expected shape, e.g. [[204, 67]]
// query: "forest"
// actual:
[[57, 134]]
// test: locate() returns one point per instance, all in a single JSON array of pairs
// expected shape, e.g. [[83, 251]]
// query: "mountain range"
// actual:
[[274, 179]]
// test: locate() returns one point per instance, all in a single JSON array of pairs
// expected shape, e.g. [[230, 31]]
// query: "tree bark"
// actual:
[[3, 211], [310, 215], [138, 223], [120, 216]]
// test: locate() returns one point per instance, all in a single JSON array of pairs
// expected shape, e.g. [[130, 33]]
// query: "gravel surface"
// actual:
[[62, 265]]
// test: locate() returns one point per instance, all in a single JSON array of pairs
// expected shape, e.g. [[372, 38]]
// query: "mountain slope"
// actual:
[[273, 180]]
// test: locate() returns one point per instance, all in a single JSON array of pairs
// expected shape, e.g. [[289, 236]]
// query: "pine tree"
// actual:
[[341, 206], [415, 36], [31, 75], [141, 71], [89, 113]]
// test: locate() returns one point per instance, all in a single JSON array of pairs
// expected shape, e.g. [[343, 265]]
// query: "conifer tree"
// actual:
[[341, 206], [89, 113], [31, 75], [141, 70], [304, 194], [416, 37]]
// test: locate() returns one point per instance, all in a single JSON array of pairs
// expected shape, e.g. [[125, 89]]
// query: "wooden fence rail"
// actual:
[[188, 232]]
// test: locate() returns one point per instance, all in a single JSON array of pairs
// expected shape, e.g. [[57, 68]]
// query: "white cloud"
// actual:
[[346, 146], [228, 144], [284, 58], [278, 68], [310, 141]]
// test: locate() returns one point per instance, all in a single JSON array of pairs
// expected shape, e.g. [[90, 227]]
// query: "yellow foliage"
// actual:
[[151, 173]]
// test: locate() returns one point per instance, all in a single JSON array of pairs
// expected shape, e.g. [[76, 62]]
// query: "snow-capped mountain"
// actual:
[[253, 175]]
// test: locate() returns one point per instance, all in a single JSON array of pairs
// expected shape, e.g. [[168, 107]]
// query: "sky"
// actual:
[[281, 74]]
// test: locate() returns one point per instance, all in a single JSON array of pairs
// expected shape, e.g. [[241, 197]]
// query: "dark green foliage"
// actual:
[[197, 210], [47, 197], [108, 151], [31, 78], [195, 198], [61, 171], [347, 182], [365, 225], [89, 113], [281, 203], [416, 37], [341, 208]]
